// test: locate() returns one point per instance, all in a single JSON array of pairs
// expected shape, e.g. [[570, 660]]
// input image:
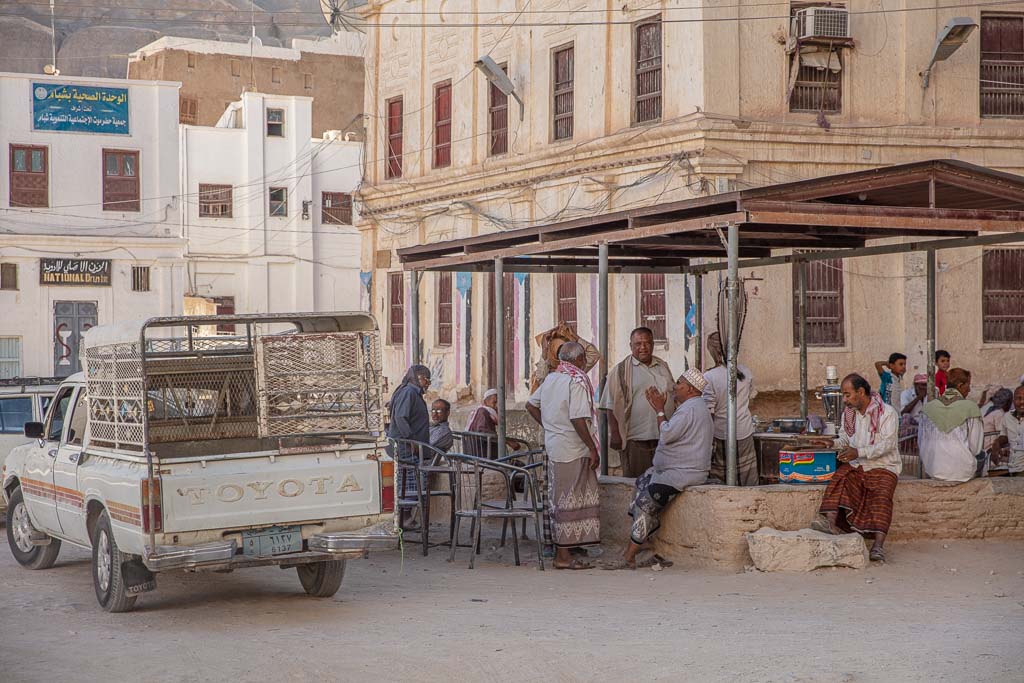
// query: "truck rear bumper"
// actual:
[[224, 554]]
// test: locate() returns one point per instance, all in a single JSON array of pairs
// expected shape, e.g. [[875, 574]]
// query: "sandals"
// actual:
[[576, 564], [617, 564], [822, 524], [877, 555]]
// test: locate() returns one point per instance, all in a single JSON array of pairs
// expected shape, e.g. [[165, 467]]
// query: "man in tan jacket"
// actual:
[[632, 421]]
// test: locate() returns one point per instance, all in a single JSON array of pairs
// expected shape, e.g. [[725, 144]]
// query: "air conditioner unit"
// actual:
[[822, 22]]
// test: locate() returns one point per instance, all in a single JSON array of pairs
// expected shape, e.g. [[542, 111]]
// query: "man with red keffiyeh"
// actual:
[[859, 496], [564, 406]]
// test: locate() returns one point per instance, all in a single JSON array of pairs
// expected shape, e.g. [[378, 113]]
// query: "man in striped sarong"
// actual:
[[564, 406], [859, 496]]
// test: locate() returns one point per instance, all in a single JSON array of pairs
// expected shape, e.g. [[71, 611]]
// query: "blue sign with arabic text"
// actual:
[[79, 108]]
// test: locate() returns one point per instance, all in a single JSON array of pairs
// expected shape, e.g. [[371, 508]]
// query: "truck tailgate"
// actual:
[[261, 491]]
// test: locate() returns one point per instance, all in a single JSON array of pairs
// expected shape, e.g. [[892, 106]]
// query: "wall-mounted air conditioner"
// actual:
[[822, 22]]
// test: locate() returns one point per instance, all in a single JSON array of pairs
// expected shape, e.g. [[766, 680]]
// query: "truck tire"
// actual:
[[322, 579], [19, 532], [110, 587]]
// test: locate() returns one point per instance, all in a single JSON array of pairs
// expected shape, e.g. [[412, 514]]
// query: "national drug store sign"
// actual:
[[78, 271]]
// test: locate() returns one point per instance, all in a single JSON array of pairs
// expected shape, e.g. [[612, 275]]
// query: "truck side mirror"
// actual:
[[34, 430]]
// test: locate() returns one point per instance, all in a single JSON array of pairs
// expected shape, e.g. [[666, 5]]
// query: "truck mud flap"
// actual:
[[137, 578]]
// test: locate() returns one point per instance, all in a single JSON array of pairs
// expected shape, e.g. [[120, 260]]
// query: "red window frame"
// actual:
[[396, 309], [393, 169], [565, 299], [444, 309], [497, 119], [647, 80], [336, 208], [562, 79], [653, 304], [443, 124], [120, 188], [29, 188]]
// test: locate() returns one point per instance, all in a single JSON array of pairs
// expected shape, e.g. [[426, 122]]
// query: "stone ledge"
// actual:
[[706, 525]]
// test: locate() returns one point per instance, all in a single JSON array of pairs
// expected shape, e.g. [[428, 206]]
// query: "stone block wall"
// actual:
[[705, 526]]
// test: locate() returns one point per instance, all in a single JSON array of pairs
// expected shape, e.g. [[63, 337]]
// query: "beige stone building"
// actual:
[[630, 104], [215, 73]]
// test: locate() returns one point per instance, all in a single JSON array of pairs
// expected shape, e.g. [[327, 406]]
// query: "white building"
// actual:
[[89, 213], [269, 212]]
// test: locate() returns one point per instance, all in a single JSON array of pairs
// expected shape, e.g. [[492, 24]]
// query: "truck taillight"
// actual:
[[387, 486], [146, 502]]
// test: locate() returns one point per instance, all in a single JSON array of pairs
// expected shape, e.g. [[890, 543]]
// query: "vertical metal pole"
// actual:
[[499, 346], [930, 332], [731, 447], [802, 277], [602, 343], [698, 319], [414, 316]]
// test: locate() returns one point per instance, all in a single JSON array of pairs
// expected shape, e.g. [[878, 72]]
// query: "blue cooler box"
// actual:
[[806, 467]]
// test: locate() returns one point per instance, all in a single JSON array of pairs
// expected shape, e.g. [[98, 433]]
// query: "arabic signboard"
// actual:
[[74, 271], [79, 108]]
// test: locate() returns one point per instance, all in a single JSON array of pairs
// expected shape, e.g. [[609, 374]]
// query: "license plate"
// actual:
[[277, 540]]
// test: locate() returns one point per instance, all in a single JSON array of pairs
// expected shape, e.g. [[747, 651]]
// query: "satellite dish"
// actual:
[[51, 70], [339, 15]]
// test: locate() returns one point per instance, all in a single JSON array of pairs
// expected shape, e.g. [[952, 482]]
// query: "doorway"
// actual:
[[70, 320]]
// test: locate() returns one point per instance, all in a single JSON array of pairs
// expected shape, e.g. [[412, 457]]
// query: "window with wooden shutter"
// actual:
[[563, 68], [215, 201], [225, 306], [497, 110], [817, 88], [10, 362], [565, 299], [336, 208], [444, 309], [1002, 66], [188, 110], [647, 71], [29, 176], [275, 74], [9, 276], [394, 167], [120, 180], [279, 202], [140, 278], [652, 304], [826, 324], [396, 308], [443, 124], [236, 68], [1002, 295]]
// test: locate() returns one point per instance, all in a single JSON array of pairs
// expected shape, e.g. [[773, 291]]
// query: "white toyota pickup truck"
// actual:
[[178, 451]]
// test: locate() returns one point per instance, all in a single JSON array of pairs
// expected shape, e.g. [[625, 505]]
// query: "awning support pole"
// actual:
[[414, 316], [698, 319], [602, 327], [930, 303], [499, 346], [802, 277], [731, 454]]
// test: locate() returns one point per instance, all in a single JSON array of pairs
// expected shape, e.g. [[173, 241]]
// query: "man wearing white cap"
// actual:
[[682, 458]]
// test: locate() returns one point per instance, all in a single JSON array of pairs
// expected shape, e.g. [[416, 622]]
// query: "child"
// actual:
[[942, 361], [892, 379]]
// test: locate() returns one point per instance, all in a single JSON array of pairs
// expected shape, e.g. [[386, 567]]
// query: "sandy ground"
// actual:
[[936, 612]]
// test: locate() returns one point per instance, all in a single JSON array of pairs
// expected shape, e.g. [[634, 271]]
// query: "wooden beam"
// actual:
[[897, 219], [818, 188], [553, 244]]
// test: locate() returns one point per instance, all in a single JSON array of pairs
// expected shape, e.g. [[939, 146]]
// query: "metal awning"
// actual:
[[922, 206], [928, 199]]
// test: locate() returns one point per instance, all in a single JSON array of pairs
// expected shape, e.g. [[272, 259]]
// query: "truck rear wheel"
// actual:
[[19, 537], [111, 591], [322, 579]]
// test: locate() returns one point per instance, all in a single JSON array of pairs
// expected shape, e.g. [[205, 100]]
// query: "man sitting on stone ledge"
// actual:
[[682, 458], [859, 496]]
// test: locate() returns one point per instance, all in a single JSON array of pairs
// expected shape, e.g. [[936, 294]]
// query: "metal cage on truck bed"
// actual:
[[323, 377]]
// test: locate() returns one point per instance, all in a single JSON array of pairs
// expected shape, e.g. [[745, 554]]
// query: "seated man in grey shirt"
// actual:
[[682, 459]]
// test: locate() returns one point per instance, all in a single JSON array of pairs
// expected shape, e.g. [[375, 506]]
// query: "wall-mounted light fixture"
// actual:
[[306, 203], [954, 34], [496, 75]]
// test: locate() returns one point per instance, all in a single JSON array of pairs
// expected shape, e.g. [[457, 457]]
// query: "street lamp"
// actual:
[[953, 35], [497, 76]]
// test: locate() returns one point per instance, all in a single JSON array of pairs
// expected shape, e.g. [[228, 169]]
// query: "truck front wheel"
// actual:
[[19, 537], [111, 591], [322, 579]]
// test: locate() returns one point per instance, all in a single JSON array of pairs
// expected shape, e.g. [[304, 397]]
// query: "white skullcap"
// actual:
[[489, 393], [695, 378]]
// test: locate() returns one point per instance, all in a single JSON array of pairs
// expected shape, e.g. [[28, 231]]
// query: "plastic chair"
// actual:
[[472, 506]]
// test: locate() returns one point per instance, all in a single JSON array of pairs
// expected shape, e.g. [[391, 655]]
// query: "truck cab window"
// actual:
[[78, 418], [14, 413], [60, 409]]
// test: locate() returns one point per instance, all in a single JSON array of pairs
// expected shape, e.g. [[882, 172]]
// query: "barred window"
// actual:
[[562, 107], [565, 298], [444, 309], [336, 208], [396, 309], [10, 359], [497, 109], [1002, 298], [1002, 66], [652, 304], [826, 324], [9, 276], [215, 201], [140, 278], [275, 123]]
